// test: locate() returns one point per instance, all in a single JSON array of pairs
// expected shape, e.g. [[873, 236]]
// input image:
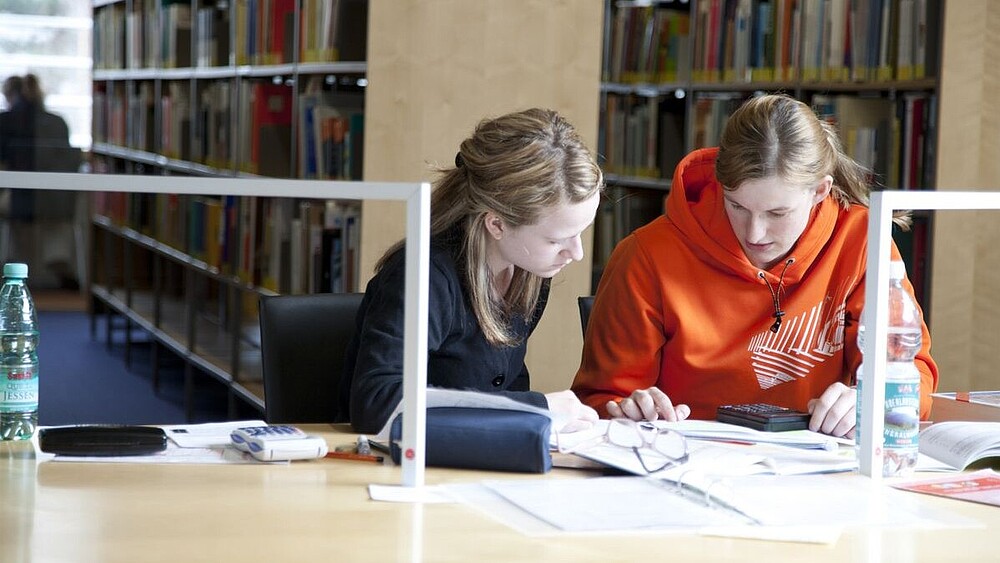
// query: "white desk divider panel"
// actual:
[[417, 198], [883, 204]]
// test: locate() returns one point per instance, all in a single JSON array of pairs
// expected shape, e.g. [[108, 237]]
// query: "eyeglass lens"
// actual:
[[628, 434]]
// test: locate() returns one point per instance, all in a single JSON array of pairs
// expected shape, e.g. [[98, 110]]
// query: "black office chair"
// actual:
[[303, 339], [586, 303]]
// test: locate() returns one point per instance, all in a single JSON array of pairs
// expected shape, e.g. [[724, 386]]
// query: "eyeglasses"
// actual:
[[655, 448]]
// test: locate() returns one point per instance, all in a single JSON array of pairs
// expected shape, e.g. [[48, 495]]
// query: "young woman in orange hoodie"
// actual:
[[749, 288]]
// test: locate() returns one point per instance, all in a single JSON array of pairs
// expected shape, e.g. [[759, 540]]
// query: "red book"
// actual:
[[271, 131], [282, 20]]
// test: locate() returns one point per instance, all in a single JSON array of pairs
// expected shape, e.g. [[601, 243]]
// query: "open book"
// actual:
[[954, 445]]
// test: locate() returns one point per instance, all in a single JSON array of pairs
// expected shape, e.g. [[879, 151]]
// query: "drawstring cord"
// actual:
[[776, 294]]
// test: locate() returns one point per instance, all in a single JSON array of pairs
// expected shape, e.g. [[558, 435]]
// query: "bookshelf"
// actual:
[[207, 88], [673, 71], [423, 84]]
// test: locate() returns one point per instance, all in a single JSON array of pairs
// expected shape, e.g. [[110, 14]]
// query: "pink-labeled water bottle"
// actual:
[[901, 431]]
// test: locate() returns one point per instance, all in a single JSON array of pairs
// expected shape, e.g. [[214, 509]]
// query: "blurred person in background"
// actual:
[[37, 225]]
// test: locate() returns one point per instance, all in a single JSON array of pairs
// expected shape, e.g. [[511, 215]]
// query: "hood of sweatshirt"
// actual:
[[695, 206]]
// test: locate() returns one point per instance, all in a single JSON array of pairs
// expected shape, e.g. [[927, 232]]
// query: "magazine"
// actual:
[[981, 486]]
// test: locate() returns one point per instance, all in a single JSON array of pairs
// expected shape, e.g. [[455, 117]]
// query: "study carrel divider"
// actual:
[[416, 196], [882, 206]]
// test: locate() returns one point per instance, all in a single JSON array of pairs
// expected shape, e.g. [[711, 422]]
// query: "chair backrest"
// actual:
[[303, 339], [586, 303]]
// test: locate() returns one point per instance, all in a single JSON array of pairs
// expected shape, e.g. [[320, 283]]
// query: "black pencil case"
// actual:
[[482, 438], [102, 440]]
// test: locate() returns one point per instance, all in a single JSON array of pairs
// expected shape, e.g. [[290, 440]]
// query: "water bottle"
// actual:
[[18, 360], [902, 379]]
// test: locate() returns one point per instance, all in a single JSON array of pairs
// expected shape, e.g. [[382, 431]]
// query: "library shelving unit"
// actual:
[[217, 88], [431, 70], [673, 71]]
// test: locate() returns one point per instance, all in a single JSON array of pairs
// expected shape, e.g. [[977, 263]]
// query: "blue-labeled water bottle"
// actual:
[[901, 431], [18, 359]]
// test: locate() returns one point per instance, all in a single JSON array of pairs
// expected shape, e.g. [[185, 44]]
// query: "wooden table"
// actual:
[[320, 511]]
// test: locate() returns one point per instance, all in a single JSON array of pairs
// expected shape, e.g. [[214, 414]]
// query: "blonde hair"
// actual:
[[776, 135], [517, 166]]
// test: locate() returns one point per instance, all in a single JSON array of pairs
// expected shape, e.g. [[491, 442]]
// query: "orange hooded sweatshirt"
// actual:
[[681, 308]]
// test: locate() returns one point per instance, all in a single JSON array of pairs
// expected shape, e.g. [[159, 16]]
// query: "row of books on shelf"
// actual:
[[147, 36], [641, 136], [649, 44], [280, 244], [329, 30], [170, 36], [329, 130], [644, 137], [774, 41], [893, 138]]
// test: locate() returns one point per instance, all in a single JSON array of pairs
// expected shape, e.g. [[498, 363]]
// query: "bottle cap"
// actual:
[[897, 270], [15, 270]]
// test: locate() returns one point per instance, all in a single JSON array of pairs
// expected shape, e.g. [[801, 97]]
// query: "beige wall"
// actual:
[[965, 301], [435, 68]]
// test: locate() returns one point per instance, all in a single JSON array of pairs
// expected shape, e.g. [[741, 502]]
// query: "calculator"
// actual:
[[276, 442], [763, 416]]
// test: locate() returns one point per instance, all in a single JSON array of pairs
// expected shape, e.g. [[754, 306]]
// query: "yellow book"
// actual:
[[241, 33]]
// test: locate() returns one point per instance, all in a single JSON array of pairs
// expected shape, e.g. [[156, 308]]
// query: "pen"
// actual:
[[355, 457], [384, 448]]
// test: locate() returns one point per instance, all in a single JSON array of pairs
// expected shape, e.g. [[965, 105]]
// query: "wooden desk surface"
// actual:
[[319, 511]]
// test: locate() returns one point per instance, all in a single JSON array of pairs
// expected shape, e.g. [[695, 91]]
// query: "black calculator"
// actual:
[[762, 416]]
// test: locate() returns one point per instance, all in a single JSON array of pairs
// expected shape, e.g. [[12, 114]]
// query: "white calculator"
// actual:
[[277, 442]]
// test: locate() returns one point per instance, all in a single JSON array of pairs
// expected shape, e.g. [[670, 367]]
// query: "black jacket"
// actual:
[[32, 139], [459, 356]]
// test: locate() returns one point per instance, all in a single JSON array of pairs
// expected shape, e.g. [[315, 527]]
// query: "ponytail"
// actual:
[[852, 180]]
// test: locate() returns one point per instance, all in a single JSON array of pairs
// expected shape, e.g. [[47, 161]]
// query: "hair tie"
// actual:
[[459, 161]]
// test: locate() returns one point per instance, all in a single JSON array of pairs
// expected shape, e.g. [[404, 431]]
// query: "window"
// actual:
[[52, 39]]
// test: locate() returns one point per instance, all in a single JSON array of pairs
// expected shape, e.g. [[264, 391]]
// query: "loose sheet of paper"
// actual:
[[808, 508], [609, 504], [398, 493], [212, 434]]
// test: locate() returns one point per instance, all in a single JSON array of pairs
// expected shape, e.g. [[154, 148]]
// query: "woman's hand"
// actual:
[[833, 412], [567, 407], [648, 404]]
